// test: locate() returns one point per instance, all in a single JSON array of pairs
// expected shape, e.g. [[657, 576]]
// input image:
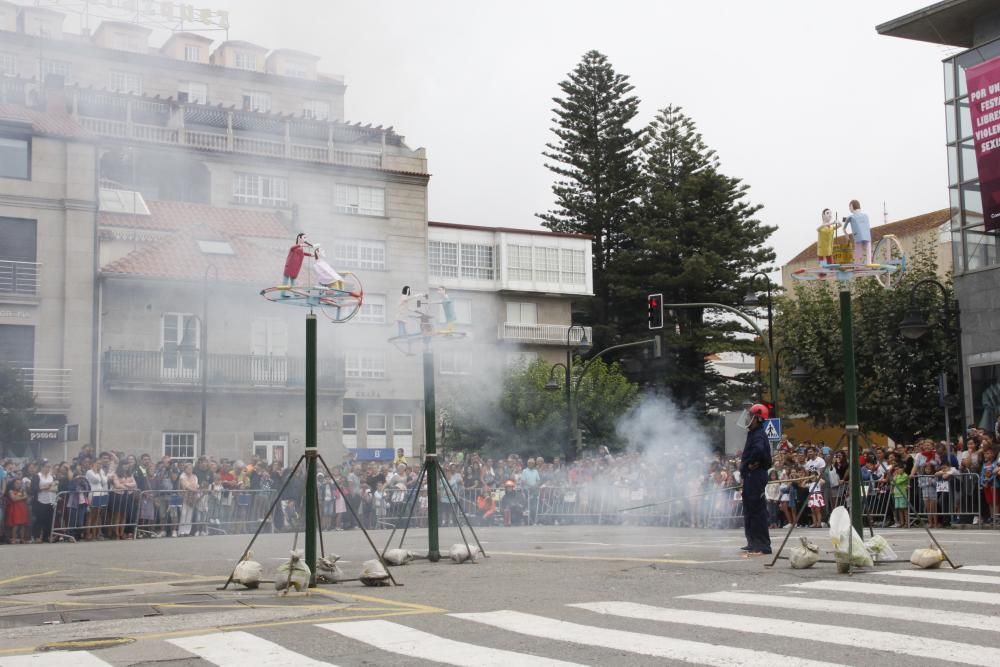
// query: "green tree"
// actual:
[[897, 378], [17, 405], [598, 179], [696, 239]]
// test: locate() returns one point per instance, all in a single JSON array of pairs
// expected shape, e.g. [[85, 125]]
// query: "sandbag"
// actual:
[[845, 538], [460, 553], [373, 573], [398, 556], [927, 559], [805, 556], [880, 550]]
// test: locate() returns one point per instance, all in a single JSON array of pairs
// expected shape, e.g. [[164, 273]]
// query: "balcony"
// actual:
[[229, 130], [541, 334], [181, 370], [19, 278], [50, 387]]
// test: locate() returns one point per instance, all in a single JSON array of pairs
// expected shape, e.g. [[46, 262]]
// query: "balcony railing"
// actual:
[[20, 278], [231, 371], [50, 386], [542, 334]]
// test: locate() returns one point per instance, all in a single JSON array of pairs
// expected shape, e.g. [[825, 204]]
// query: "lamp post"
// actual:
[[797, 373], [571, 396], [751, 299], [583, 346], [204, 353], [915, 325]]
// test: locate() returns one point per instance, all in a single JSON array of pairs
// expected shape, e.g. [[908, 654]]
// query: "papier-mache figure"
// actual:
[[293, 261], [325, 274], [862, 231], [404, 309], [448, 307], [824, 241]]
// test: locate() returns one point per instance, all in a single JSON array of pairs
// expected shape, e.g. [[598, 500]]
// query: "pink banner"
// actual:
[[984, 102]]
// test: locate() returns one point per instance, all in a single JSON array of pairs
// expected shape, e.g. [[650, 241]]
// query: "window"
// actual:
[[463, 311], [260, 189], [442, 259], [402, 433], [375, 436], [18, 267], [365, 365], [123, 42], [255, 100], [192, 53], [477, 261], [522, 313], [269, 337], [8, 65], [349, 430], [519, 262], [57, 67], [521, 359], [296, 71], [373, 309], [247, 61], [317, 109], [180, 446], [453, 363], [197, 92], [15, 158], [17, 345], [547, 265], [122, 201], [573, 270], [181, 342], [359, 254], [125, 82], [359, 199]]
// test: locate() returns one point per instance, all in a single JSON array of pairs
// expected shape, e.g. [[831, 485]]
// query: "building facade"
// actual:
[[974, 27]]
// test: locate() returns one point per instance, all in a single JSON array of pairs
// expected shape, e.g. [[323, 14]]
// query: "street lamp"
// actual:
[[798, 372], [914, 325], [552, 385], [751, 299]]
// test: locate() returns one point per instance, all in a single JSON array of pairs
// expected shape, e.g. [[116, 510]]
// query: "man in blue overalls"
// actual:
[[754, 465]]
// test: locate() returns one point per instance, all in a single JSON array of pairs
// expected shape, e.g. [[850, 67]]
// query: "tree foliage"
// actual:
[[595, 161], [897, 379], [16, 406]]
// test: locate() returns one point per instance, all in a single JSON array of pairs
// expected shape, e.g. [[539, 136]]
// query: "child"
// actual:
[[784, 500], [928, 492], [900, 483], [773, 494], [816, 501], [17, 512], [325, 275], [943, 475], [824, 242]]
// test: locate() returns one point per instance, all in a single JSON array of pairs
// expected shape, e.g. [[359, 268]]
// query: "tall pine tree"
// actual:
[[696, 240], [598, 185]]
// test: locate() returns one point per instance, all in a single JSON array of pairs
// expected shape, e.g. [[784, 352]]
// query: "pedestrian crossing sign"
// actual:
[[772, 428]]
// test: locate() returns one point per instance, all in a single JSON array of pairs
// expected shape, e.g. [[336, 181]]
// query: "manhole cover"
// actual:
[[94, 644]]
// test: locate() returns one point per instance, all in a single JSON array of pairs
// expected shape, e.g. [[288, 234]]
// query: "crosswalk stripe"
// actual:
[[876, 640], [239, 649], [682, 650], [948, 618], [982, 568], [53, 659], [945, 575], [403, 640], [870, 589]]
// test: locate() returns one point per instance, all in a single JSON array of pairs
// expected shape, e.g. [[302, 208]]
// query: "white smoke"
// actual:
[[658, 430]]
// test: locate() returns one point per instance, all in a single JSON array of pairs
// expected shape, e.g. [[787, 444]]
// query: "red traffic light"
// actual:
[[654, 306]]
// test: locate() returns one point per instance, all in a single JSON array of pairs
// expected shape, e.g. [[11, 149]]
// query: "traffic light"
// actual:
[[654, 303]]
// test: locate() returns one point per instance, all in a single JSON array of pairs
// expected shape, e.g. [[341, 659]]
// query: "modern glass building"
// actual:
[[974, 26]]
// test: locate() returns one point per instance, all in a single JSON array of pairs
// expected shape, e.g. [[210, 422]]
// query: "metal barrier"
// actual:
[[952, 500]]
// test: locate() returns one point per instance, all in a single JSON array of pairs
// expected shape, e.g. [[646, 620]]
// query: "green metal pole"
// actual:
[[851, 407], [570, 452], [312, 520], [430, 456]]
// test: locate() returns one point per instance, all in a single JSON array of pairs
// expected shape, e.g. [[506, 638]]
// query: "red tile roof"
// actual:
[[902, 228], [46, 123], [172, 216]]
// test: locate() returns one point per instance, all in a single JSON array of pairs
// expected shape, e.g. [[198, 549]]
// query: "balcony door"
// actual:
[[181, 346], [269, 350]]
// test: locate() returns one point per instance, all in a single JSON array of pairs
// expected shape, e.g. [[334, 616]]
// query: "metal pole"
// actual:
[[311, 495], [957, 331], [570, 448], [430, 456], [851, 407]]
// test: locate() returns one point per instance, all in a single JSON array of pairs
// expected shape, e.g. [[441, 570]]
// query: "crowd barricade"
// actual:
[[954, 500], [79, 515]]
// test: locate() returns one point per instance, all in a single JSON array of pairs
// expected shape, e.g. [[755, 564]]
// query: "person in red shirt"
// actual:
[[293, 261]]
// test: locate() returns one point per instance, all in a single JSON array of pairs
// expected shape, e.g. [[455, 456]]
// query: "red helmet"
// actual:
[[759, 410]]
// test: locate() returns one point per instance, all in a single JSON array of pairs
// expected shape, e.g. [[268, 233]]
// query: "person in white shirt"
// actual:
[[814, 462], [98, 479]]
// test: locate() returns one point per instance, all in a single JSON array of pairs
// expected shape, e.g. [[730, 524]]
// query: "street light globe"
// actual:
[[552, 385], [799, 373], [913, 325], [584, 345], [750, 298]]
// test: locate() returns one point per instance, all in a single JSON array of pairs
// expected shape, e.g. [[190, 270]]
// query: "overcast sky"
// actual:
[[802, 100]]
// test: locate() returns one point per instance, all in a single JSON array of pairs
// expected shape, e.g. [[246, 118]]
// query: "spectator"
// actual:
[[17, 511], [43, 496]]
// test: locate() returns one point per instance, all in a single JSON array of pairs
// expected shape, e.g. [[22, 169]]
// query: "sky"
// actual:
[[802, 100]]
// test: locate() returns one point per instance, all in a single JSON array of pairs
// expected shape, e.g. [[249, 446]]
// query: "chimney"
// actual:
[[54, 94]]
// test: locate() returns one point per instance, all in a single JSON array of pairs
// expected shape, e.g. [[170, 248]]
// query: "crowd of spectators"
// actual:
[[113, 496]]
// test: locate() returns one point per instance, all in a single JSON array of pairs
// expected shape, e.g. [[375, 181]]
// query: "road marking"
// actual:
[[403, 640], [945, 575], [982, 568], [935, 616], [625, 559], [186, 575], [54, 659], [28, 576], [682, 650], [869, 590], [875, 640], [238, 649]]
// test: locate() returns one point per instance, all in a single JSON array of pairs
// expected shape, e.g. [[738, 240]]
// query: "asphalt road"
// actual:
[[545, 596]]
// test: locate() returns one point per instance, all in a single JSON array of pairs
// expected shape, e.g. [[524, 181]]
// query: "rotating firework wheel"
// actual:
[[338, 304]]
